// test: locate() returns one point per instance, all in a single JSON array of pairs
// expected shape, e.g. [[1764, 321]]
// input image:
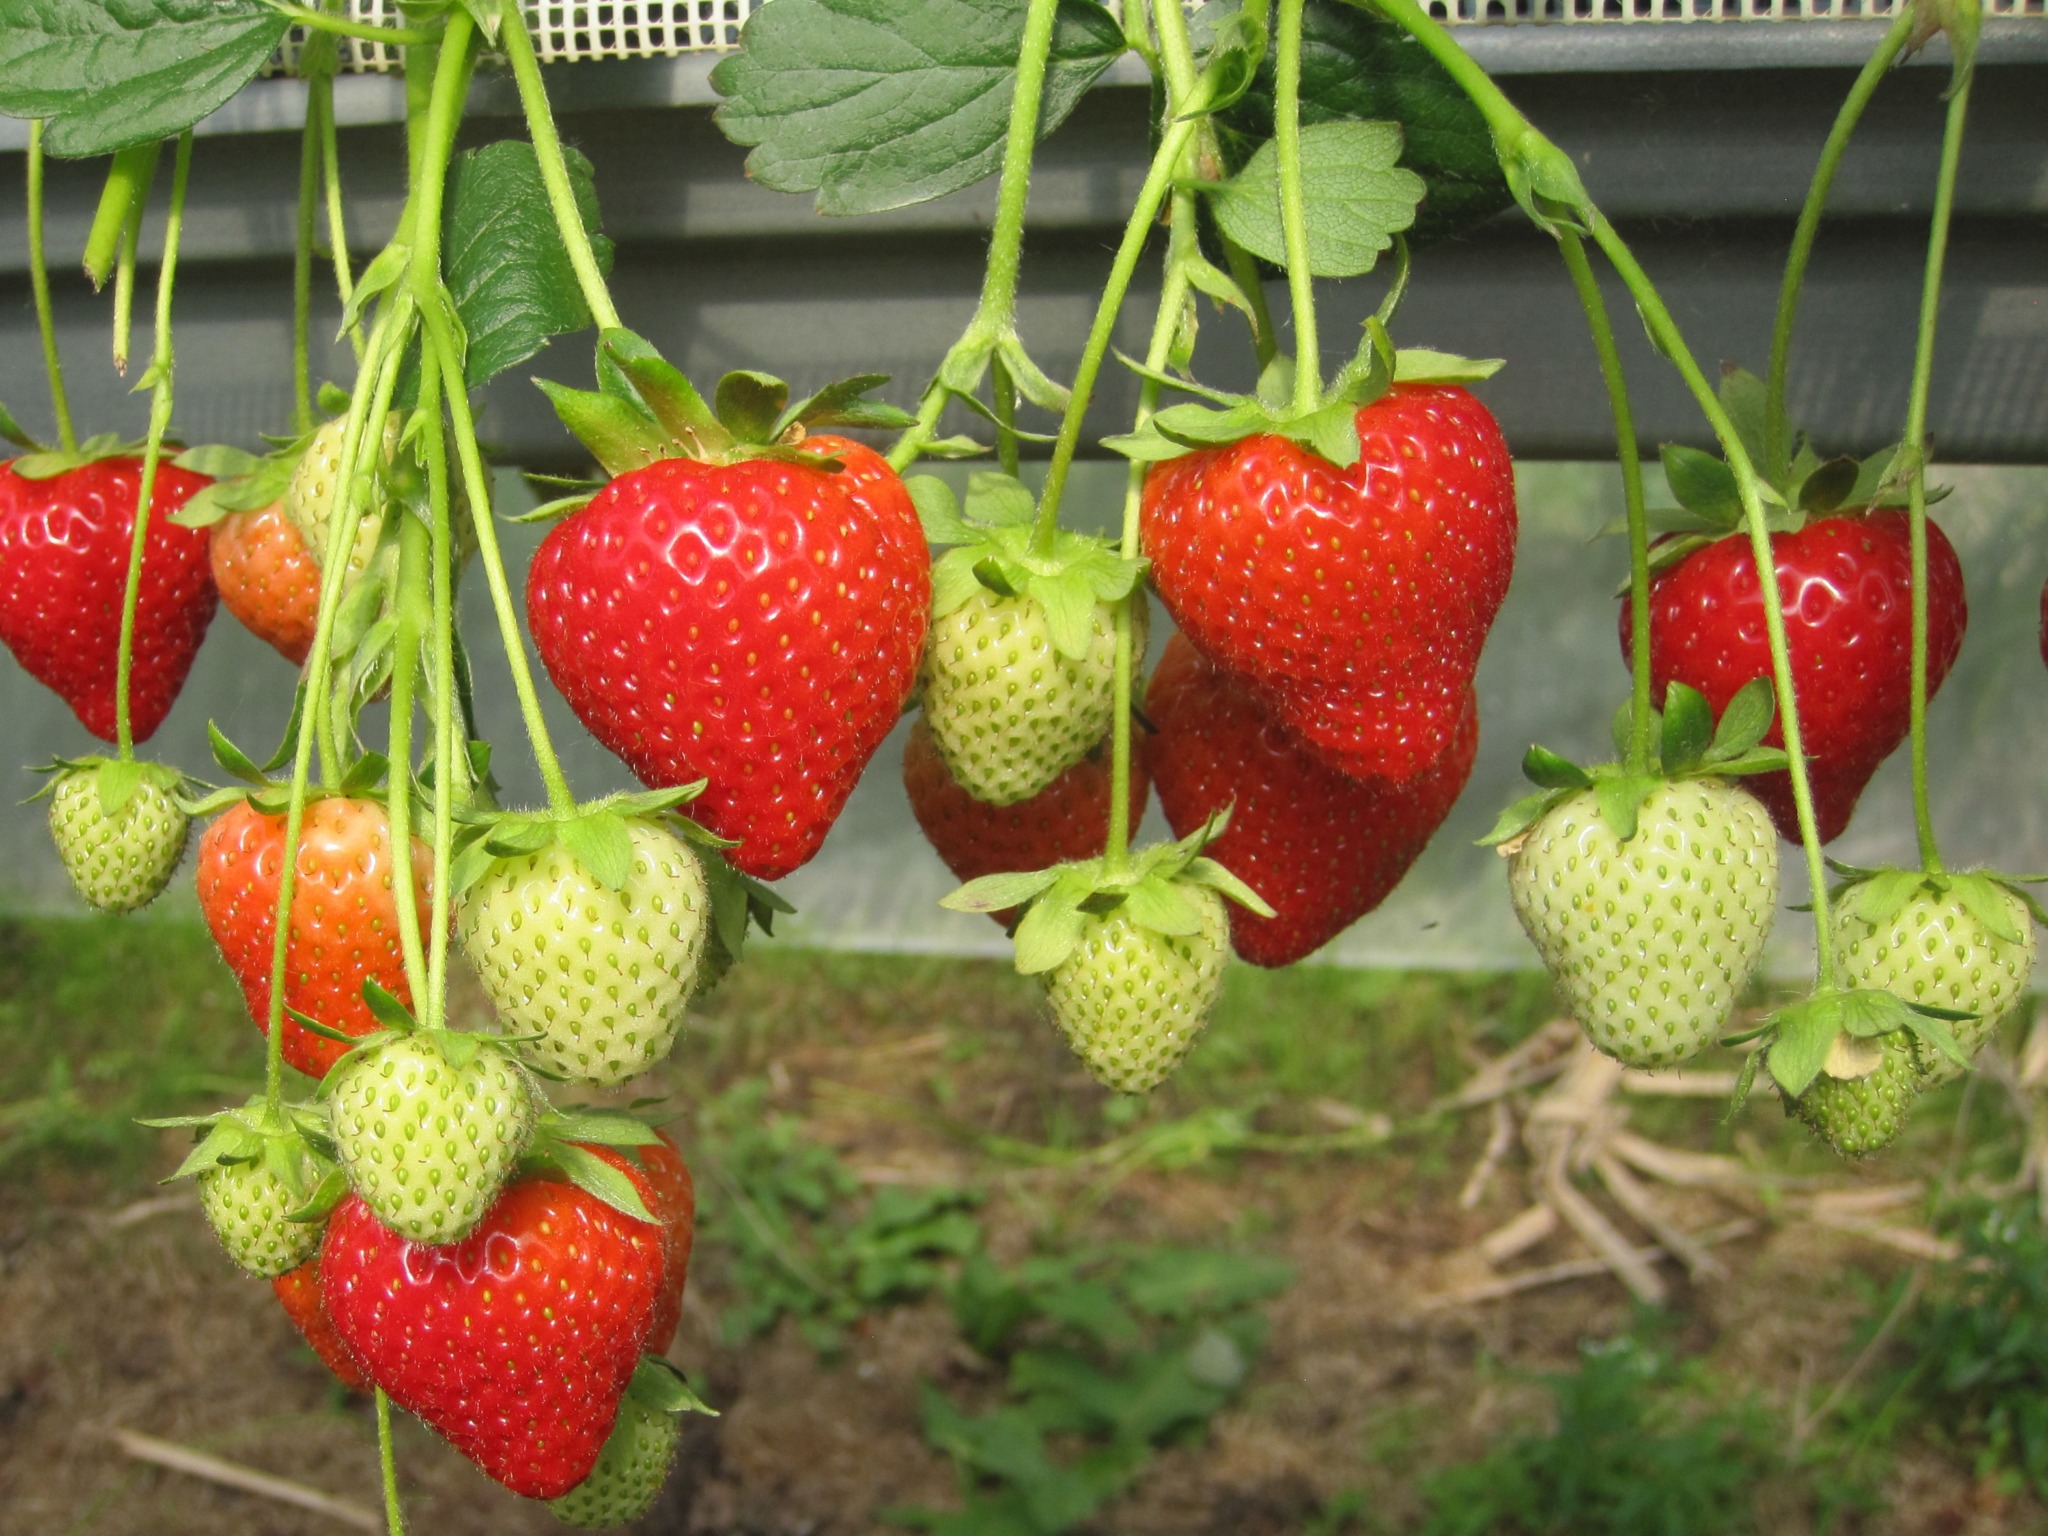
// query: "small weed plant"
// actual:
[[1635, 1451]]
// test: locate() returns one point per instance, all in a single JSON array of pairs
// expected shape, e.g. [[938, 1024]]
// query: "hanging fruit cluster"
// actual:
[[744, 601]]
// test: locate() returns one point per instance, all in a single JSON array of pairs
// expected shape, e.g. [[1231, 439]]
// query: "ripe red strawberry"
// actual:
[[1354, 600], [344, 916], [515, 1343], [64, 544], [1846, 586], [1322, 848], [268, 579], [299, 1292], [1067, 820], [665, 1185], [756, 623]]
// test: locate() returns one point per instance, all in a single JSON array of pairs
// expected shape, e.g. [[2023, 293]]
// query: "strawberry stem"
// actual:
[[434, 449], [387, 1465], [130, 241], [554, 169], [321, 91], [39, 282], [376, 385], [1177, 60], [995, 317], [1547, 184], [1914, 443], [1777, 433], [302, 269], [1670, 341], [1641, 748], [1166, 164], [1308, 377], [161, 368], [413, 556]]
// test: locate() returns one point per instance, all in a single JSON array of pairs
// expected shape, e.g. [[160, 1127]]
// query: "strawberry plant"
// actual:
[[742, 600]]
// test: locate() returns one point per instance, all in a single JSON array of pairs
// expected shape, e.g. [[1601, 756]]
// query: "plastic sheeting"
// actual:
[[1552, 672]]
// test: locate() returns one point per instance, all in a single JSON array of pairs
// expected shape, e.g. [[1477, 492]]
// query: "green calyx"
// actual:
[[660, 1388], [363, 779], [1690, 746], [644, 410], [1329, 427], [1837, 1032], [992, 539], [595, 835], [1710, 502], [561, 1145], [290, 1141], [48, 463], [116, 780], [1876, 896], [242, 482], [1143, 889]]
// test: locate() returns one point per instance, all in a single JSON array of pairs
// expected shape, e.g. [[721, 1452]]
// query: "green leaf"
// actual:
[[117, 781], [387, 1010], [839, 404], [1806, 1031], [1703, 485], [1155, 904], [1745, 722], [749, 404], [998, 893], [601, 844], [1621, 801], [218, 461], [1069, 603], [1416, 365], [1355, 198], [938, 511], [505, 264], [620, 436], [1828, 486], [1744, 397], [1688, 729], [1982, 898], [108, 74], [1519, 817], [1204, 871], [1331, 431], [876, 104], [954, 580], [594, 1176], [1000, 500], [13, 432], [1050, 930], [232, 758], [1542, 766], [1354, 65], [1879, 899]]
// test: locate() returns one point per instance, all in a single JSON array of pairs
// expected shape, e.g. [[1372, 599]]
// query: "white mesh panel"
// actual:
[[567, 30]]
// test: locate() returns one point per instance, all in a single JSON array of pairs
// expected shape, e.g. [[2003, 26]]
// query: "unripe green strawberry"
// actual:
[[1935, 951], [1131, 1001], [601, 976], [309, 500], [120, 831], [1009, 712], [1861, 1115], [1653, 940], [629, 1473], [428, 1127], [246, 1205]]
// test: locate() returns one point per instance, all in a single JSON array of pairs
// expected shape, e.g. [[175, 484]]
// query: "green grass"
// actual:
[[104, 1020], [1642, 1445]]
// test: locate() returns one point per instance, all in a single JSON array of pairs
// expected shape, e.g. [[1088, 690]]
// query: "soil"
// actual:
[[117, 1310]]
